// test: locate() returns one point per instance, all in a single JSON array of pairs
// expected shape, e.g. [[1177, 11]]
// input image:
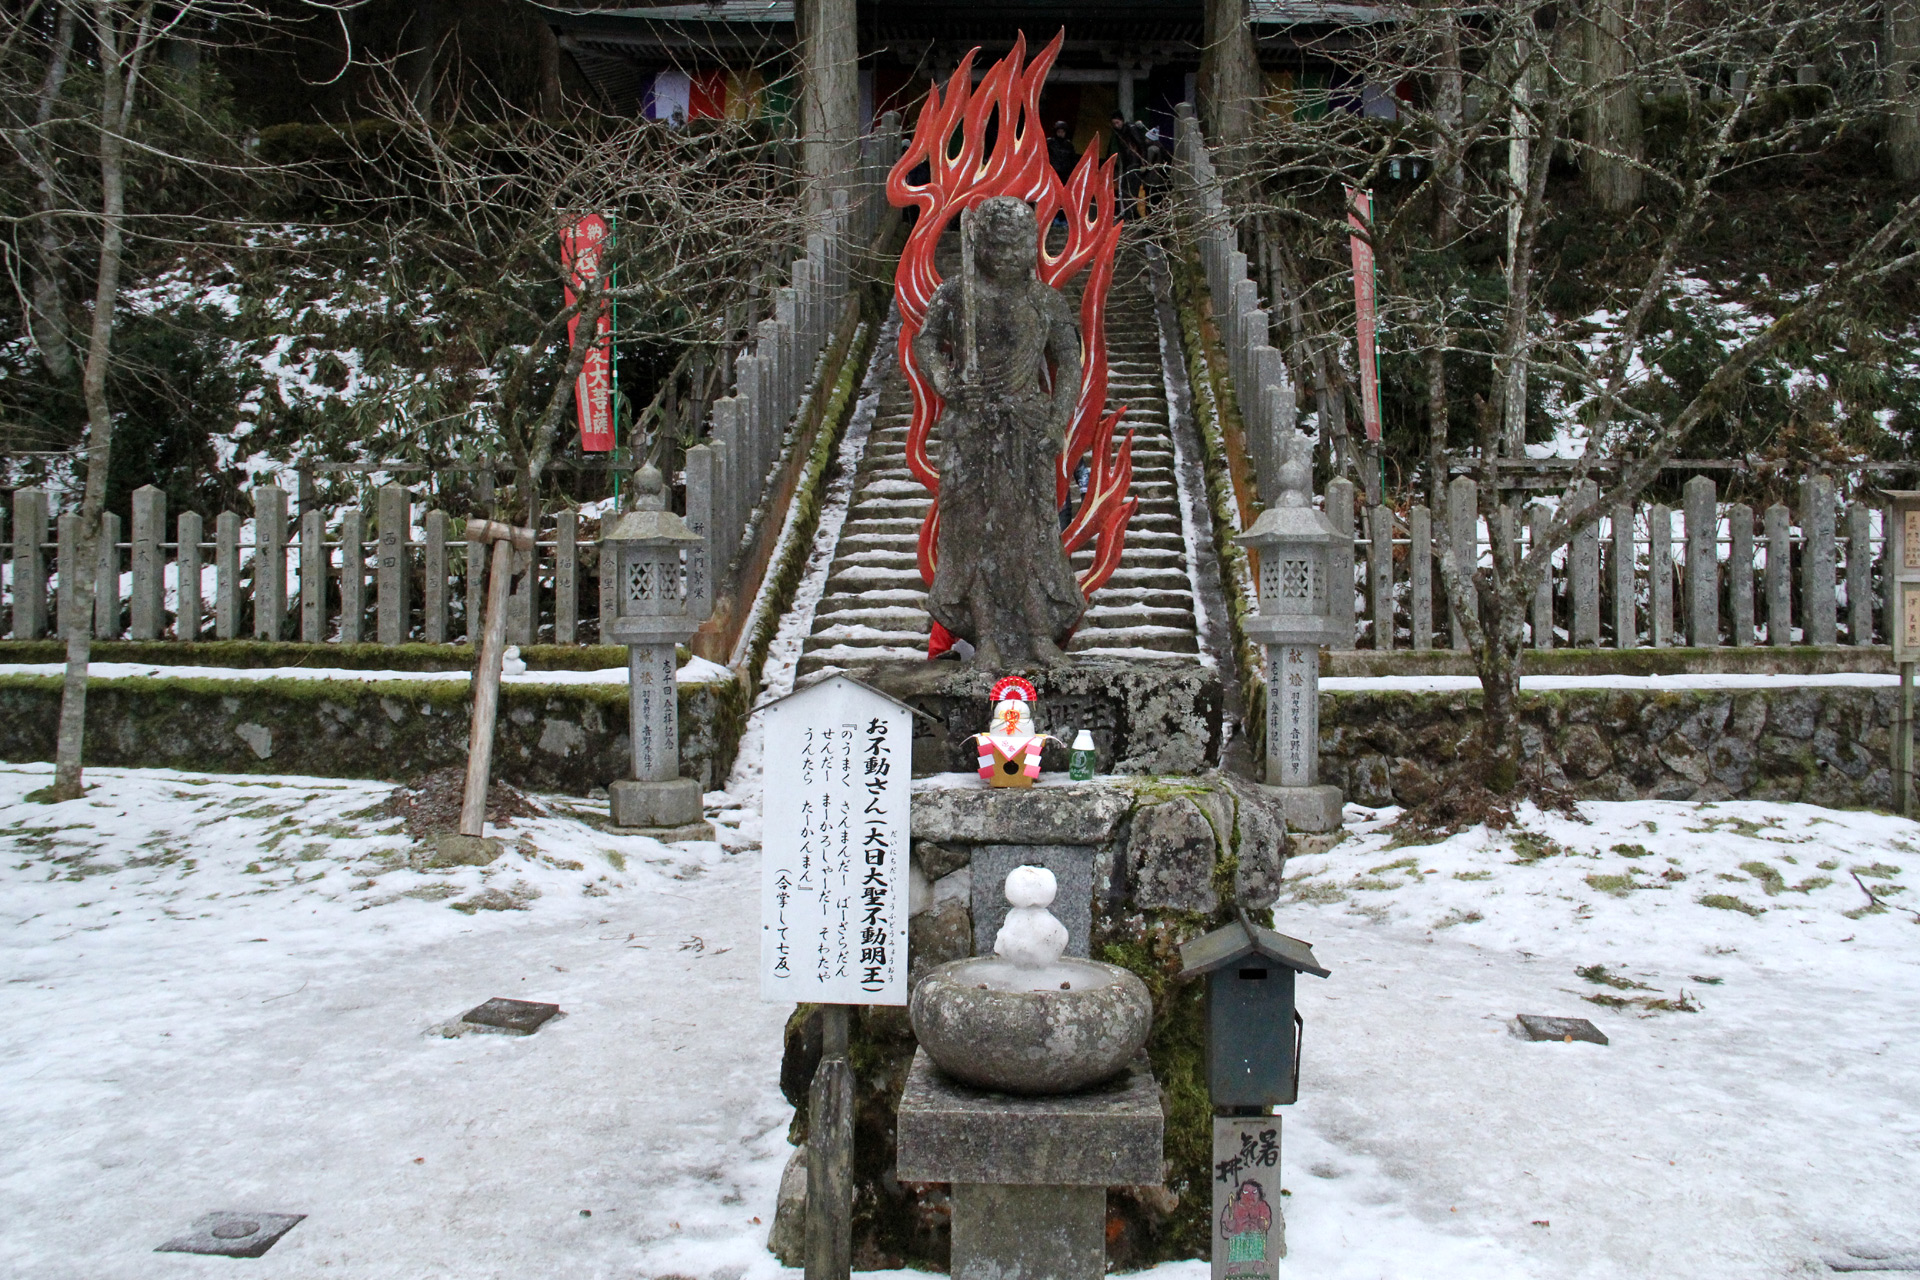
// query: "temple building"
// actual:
[[1134, 58]]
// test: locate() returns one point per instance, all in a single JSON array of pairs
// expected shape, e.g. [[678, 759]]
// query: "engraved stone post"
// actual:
[[1339, 583], [1538, 518], [1779, 580], [353, 575], [29, 564], [66, 563], [566, 576], [1626, 627], [269, 562], [314, 572], [226, 575], [1740, 573], [434, 578], [1380, 574], [1859, 575], [1703, 563], [148, 604], [1583, 575], [1818, 604], [1463, 527], [190, 612], [393, 565], [106, 580], [1659, 576], [1420, 576]]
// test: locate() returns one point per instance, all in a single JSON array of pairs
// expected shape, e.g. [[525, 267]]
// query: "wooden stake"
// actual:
[[830, 1153], [486, 680]]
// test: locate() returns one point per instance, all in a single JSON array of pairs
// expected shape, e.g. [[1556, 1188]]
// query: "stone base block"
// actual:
[[1028, 1232], [1308, 808], [1108, 1136], [451, 849], [655, 804]]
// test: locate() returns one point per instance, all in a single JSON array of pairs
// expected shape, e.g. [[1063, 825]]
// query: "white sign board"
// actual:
[[833, 879]]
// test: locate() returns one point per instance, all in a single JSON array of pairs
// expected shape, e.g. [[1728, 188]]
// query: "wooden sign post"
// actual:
[[1903, 624], [1249, 1228], [486, 676], [833, 901]]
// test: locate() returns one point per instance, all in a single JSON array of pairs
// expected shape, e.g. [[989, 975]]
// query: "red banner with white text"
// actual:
[[580, 250], [1360, 215]]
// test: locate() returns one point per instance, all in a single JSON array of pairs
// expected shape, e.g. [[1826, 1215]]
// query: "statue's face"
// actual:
[[1010, 242]]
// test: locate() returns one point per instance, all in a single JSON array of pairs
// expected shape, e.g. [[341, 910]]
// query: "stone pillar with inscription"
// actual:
[[1294, 544], [658, 604]]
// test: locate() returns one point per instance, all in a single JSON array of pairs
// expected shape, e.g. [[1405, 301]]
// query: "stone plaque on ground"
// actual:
[[522, 1017], [1072, 867], [233, 1235], [1538, 1026], [1249, 1228], [833, 881]]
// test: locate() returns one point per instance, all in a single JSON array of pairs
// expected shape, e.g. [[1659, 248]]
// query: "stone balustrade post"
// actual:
[[1420, 576], [1778, 523], [436, 580], [353, 575], [147, 603], [314, 572], [226, 575], [1740, 573], [1538, 518], [1859, 574], [1340, 594], [1463, 530], [1583, 575], [1626, 625], [29, 564], [1819, 605], [106, 580], [393, 565], [1703, 563], [269, 562], [190, 609]]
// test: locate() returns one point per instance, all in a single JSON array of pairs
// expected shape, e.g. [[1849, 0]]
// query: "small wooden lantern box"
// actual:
[[1253, 1030]]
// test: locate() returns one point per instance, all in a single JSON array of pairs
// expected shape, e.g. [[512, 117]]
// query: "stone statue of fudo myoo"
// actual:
[[1002, 349]]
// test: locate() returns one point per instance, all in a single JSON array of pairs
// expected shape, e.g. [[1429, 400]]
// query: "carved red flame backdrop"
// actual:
[[963, 169]]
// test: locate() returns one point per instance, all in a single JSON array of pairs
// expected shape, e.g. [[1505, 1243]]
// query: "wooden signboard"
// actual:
[[1249, 1230], [833, 894]]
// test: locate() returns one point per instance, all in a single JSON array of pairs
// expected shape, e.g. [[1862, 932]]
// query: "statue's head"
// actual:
[[1006, 237]]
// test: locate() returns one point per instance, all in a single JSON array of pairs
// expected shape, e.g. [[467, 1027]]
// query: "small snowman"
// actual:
[[1031, 937], [1009, 751]]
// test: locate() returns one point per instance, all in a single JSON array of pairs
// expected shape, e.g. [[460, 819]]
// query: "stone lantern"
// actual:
[[661, 595], [1294, 544]]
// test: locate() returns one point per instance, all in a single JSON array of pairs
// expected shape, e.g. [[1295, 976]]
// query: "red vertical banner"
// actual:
[[1360, 215], [580, 246]]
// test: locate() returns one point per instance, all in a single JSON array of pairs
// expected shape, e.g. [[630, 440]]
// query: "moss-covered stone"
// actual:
[[563, 738]]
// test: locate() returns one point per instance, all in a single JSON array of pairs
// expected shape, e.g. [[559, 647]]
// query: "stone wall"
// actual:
[[562, 738], [1144, 864], [1822, 744]]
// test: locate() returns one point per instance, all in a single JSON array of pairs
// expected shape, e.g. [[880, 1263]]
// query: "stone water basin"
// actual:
[[1055, 1028]]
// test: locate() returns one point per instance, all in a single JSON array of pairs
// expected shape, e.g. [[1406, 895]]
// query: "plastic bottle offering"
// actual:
[[1080, 766]]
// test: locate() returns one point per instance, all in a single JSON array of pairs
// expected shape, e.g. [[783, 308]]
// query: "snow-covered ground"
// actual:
[[232, 993]]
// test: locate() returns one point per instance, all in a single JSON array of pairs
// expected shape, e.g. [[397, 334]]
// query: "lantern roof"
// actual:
[[1235, 942], [1286, 524], [649, 520]]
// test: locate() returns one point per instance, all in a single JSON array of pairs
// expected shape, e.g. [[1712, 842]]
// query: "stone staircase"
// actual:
[[875, 605]]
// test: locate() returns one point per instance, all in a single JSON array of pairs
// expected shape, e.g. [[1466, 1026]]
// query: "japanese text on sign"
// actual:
[[834, 894]]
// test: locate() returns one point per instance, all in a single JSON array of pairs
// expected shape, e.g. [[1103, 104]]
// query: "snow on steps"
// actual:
[[875, 603]]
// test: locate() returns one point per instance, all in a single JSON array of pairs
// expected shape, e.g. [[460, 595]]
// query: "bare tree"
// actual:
[[469, 215], [76, 78], [1507, 87]]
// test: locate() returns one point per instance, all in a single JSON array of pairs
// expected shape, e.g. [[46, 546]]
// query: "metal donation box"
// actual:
[[662, 593], [1253, 1030]]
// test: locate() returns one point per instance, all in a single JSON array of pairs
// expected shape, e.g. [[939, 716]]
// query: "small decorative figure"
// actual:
[[1002, 349], [1009, 751], [1244, 1225], [1032, 936]]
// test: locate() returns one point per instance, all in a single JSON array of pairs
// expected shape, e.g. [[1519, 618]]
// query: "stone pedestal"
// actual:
[[1029, 1175], [1315, 809], [675, 803]]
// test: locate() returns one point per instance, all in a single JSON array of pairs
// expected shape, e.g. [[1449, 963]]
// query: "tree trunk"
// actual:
[[1229, 79], [1614, 182], [49, 313], [1902, 51], [1449, 110], [120, 52], [829, 94], [427, 32], [1497, 662], [552, 96]]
